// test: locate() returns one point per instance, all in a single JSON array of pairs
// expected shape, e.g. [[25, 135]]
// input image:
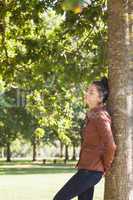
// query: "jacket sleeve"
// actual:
[[103, 125], [82, 130]]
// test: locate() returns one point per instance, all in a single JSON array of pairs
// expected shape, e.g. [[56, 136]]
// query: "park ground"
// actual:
[[25, 180]]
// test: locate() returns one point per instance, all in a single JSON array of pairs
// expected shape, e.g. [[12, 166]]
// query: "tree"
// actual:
[[46, 52], [37, 135], [120, 45], [9, 120]]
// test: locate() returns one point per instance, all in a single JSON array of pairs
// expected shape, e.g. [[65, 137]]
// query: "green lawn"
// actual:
[[24, 180]]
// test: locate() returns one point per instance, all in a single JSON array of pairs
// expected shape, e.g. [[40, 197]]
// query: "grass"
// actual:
[[25, 180]]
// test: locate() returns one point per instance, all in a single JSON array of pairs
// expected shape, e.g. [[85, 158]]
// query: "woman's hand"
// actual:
[[104, 173]]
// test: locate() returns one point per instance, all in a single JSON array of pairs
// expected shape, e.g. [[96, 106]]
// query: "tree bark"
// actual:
[[74, 153], [119, 182], [66, 152], [34, 149], [2, 152], [8, 152], [61, 149]]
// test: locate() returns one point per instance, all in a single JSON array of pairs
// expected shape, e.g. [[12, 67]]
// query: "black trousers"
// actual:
[[81, 184]]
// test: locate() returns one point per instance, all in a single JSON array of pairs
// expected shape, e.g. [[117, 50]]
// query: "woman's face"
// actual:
[[91, 97]]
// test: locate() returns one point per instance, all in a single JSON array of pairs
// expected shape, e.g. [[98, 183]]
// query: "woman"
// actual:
[[97, 148]]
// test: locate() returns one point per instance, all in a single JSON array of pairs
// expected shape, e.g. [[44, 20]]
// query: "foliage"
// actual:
[[47, 58]]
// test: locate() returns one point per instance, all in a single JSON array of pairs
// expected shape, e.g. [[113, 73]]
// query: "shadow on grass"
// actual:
[[39, 162], [14, 162], [27, 167], [38, 170]]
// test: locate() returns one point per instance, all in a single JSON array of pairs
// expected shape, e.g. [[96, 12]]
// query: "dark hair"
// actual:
[[103, 88]]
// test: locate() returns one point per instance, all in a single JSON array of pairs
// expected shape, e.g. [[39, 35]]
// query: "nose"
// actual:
[[85, 97]]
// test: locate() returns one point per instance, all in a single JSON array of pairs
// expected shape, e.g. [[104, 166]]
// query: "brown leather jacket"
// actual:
[[98, 147]]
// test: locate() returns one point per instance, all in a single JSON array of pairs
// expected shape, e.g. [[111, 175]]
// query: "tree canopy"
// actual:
[[47, 58]]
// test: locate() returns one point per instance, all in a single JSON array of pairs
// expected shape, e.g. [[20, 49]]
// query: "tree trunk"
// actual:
[[61, 149], [34, 149], [66, 152], [74, 153], [8, 152], [119, 182], [2, 152]]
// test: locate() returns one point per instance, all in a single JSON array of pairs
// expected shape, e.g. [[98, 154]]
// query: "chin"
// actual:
[[88, 104]]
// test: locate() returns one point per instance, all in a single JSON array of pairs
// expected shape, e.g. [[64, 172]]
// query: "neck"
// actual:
[[101, 105]]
